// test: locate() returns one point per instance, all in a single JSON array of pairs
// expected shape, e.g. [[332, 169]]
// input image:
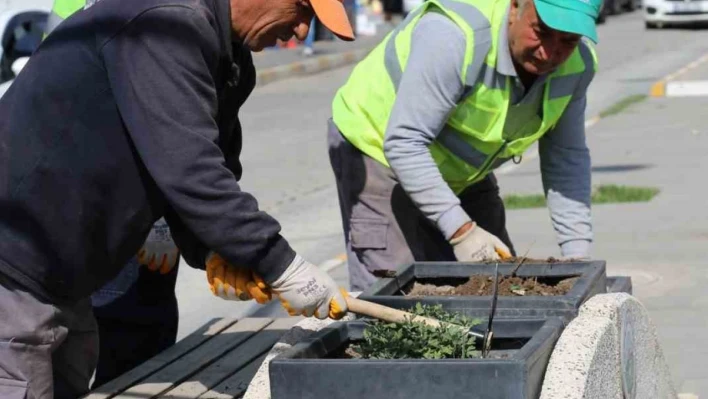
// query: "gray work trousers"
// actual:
[[46, 350], [383, 229]]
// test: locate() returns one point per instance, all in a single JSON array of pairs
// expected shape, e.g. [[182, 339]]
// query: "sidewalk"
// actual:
[[276, 64], [660, 142]]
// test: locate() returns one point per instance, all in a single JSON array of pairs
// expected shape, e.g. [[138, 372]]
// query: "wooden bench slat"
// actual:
[[196, 360], [161, 360], [236, 385], [233, 361]]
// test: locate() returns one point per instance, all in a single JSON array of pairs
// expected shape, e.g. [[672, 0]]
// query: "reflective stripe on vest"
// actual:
[[61, 10], [469, 13], [52, 22], [560, 86]]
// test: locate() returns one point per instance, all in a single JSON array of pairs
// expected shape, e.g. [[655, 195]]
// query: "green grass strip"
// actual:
[[609, 194], [514, 201], [622, 104], [604, 194]]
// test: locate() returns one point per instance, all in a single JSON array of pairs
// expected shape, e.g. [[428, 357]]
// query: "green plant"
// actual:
[[622, 104], [414, 340], [603, 194]]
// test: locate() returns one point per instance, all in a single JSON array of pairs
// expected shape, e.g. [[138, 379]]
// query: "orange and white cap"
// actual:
[[333, 15]]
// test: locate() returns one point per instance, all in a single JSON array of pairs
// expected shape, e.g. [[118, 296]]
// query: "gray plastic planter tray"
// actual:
[[617, 284], [310, 370], [591, 281]]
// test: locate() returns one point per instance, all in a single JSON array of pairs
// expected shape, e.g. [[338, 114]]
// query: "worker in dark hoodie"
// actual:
[[128, 113]]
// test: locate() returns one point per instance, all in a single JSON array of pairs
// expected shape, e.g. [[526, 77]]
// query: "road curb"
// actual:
[[310, 66]]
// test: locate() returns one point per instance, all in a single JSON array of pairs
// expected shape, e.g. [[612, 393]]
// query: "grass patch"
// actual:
[[604, 194], [608, 194], [622, 104], [514, 201]]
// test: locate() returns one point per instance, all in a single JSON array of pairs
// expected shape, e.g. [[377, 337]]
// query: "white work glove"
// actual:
[[159, 252], [306, 290], [476, 244]]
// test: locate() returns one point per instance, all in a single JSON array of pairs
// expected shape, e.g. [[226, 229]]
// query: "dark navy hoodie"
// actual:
[[126, 113]]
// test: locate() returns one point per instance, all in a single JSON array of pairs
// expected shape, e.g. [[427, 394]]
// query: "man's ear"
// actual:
[[514, 10]]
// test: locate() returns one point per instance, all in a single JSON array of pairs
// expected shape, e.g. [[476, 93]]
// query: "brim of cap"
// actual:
[[333, 15], [567, 20]]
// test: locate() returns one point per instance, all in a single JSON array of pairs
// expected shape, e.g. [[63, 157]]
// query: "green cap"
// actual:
[[574, 16]]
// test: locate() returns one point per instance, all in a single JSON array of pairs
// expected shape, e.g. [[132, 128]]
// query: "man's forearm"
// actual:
[[428, 92], [565, 168]]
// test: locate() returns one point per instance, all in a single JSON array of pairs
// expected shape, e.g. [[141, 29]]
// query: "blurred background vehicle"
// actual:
[[661, 13], [616, 7], [21, 29]]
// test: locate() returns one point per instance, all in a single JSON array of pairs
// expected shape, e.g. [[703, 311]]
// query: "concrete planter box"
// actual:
[[520, 352], [591, 281]]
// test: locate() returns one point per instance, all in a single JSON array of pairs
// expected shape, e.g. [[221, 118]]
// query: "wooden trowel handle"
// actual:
[[391, 315]]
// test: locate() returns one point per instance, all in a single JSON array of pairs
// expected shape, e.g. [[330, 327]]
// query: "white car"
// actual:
[[659, 13], [22, 25]]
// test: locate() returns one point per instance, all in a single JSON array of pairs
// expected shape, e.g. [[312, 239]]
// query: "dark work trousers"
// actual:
[[383, 229], [137, 318], [46, 350]]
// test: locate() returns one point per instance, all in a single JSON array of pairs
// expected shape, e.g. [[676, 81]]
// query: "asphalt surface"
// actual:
[[659, 142]]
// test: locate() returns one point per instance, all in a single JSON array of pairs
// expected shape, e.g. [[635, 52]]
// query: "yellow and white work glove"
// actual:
[[305, 289], [477, 244], [159, 252], [235, 283]]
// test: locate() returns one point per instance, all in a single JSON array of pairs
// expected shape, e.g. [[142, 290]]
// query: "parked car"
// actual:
[[659, 13], [602, 17], [22, 24], [615, 7]]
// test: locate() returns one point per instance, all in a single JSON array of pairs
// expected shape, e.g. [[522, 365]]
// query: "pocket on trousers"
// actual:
[[368, 233], [12, 389]]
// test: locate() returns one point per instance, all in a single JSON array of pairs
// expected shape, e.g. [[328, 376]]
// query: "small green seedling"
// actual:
[[413, 340]]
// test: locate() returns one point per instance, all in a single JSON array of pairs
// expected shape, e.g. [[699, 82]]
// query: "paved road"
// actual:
[[287, 168]]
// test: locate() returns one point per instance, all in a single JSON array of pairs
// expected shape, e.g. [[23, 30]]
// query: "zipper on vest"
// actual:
[[488, 163]]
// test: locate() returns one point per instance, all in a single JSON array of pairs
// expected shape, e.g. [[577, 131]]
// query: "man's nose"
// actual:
[[552, 49], [301, 30], [544, 51]]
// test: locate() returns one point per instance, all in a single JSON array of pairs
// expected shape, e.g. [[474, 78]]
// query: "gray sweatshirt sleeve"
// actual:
[[565, 169], [428, 92]]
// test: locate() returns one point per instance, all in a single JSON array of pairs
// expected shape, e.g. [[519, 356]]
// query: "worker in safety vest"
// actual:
[[459, 88], [136, 312]]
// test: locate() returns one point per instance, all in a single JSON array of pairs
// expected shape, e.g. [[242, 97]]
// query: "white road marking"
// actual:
[[687, 88]]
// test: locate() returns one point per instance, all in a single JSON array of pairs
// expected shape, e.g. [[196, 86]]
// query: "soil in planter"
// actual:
[[484, 285], [516, 259], [346, 352]]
